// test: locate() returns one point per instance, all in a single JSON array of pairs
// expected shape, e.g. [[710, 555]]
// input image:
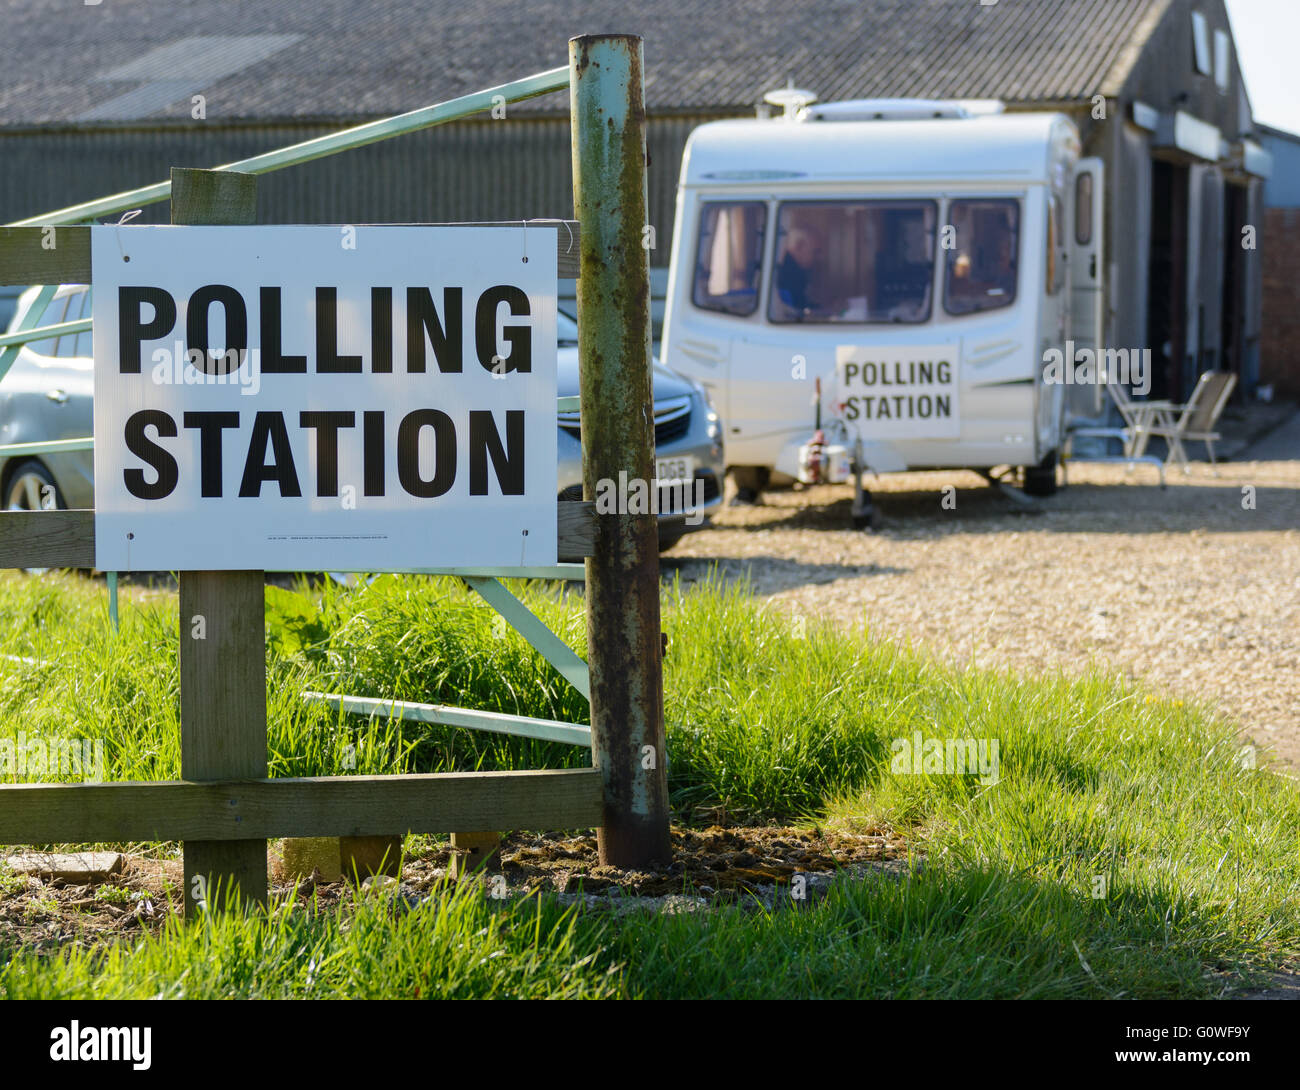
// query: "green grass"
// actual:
[[1103, 789], [451, 947]]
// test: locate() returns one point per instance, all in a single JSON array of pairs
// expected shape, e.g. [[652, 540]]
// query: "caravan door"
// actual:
[[1087, 316]]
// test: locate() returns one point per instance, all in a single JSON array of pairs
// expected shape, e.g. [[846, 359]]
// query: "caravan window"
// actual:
[[854, 261], [1083, 209], [730, 257], [982, 266]]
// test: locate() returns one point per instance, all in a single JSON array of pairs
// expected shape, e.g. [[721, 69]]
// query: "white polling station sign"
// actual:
[[324, 398], [900, 391]]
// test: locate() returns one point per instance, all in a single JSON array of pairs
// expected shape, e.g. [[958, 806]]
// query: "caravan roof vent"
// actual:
[[790, 98], [884, 109]]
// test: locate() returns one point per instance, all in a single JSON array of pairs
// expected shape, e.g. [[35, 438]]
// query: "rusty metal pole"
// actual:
[[607, 105]]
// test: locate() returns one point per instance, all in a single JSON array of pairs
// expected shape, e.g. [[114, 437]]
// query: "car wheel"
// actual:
[[668, 540], [33, 488], [1040, 480]]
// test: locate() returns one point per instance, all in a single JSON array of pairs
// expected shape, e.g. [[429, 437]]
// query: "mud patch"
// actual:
[[717, 863], [714, 866], [46, 915]]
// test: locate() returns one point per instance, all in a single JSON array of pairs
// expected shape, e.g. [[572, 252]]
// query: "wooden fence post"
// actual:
[[623, 633], [223, 634]]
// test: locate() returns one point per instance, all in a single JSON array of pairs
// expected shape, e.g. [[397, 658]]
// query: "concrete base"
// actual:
[[78, 868]]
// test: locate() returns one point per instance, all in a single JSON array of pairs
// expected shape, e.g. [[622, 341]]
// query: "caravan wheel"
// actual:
[[1040, 480]]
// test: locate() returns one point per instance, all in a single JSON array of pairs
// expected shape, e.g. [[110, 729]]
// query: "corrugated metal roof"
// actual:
[[178, 70], [338, 58]]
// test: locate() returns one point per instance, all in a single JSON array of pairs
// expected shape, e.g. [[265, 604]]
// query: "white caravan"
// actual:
[[914, 261]]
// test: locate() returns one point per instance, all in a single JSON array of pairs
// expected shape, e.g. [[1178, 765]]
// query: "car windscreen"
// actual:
[[8, 305], [53, 315], [853, 261]]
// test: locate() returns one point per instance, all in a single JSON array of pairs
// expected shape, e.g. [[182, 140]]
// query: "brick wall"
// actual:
[[1279, 348]]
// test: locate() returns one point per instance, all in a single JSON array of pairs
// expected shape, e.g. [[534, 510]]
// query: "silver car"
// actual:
[[688, 442], [48, 392], [46, 395]]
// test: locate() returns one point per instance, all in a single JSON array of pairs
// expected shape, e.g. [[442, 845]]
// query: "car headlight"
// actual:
[[712, 420], [711, 414]]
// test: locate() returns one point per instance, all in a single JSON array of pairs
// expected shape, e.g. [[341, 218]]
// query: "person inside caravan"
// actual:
[[1000, 273], [794, 270], [854, 261], [904, 263]]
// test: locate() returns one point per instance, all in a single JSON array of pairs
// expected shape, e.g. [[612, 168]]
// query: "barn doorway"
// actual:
[[1233, 334], [1167, 279]]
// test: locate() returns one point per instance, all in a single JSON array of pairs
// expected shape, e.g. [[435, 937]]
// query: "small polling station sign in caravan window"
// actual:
[[324, 398]]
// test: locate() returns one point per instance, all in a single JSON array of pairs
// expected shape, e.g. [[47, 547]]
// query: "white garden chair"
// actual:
[[1139, 418], [1195, 421]]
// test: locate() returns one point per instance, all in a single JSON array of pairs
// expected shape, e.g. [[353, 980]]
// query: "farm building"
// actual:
[[105, 97]]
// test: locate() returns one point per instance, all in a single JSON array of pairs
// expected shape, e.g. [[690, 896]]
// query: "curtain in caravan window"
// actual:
[[729, 257]]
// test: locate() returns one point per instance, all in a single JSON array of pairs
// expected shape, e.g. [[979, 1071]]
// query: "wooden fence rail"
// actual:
[[255, 810]]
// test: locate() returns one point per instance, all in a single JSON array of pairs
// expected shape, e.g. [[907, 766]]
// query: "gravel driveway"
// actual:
[[1185, 588]]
